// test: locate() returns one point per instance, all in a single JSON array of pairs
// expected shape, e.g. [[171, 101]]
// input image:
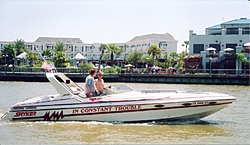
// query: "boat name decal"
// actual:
[[106, 109], [25, 113], [56, 115], [199, 103]]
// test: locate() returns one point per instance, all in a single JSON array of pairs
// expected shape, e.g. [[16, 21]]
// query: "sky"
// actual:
[[114, 21]]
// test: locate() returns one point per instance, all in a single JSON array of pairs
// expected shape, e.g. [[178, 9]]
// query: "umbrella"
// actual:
[[79, 56], [228, 49], [129, 65], [22, 55], [247, 44], [211, 48]]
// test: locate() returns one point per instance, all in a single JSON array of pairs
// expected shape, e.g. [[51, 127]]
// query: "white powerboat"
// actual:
[[71, 104]]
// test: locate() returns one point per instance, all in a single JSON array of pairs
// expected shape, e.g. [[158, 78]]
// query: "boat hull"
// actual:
[[125, 113]]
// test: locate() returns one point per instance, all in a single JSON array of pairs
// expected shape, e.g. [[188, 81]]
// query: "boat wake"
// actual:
[[152, 123]]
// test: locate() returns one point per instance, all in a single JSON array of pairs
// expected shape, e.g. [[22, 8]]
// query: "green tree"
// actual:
[[60, 46], [173, 58], [19, 46], [186, 43], [60, 60], [182, 55], [8, 54], [119, 51], [103, 48], [166, 61], [114, 49], [154, 51], [240, 57], [31, 57], [134, 57], [47, 53]]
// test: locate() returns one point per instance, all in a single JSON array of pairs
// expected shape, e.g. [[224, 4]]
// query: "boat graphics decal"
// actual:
[[54, 116]]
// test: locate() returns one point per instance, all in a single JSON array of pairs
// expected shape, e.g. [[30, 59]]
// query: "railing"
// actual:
[[191, 72]]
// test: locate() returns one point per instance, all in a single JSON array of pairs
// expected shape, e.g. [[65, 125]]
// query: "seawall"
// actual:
[[138, 78]]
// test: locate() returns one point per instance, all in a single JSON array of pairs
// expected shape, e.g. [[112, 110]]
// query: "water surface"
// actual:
[[228, 126]]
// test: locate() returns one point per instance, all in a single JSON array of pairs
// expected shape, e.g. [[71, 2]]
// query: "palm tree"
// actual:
[[154, 51], [102, 49], [8, 54], [47, 53], [60, 46], [114, 49], [240, 57], [182, 55], [166, 60], [186, 43], [31, 57], [19, 46], [60, 59], [173, 57]]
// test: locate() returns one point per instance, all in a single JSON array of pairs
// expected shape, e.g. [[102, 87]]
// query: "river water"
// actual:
[[228, 126]]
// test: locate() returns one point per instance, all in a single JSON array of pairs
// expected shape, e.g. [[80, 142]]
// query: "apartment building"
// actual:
[[91, 51]]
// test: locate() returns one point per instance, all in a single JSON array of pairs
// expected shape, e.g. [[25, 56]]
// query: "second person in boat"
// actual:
[[99, 83]]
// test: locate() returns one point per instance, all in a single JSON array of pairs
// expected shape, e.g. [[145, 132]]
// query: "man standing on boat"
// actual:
[[99, 82], [90, 84]]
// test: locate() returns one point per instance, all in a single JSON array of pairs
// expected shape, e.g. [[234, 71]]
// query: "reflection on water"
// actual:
[[230, 125]]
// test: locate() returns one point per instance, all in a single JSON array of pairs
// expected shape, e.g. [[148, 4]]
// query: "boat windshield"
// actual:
[[119, 88]]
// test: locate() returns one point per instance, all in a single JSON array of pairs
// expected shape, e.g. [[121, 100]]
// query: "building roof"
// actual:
[[237, 21], [240, 21], [58, 39], [215, 27], [159, 37]]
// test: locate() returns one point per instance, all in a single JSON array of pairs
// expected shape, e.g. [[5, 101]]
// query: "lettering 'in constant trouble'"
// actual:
[[106, 109]]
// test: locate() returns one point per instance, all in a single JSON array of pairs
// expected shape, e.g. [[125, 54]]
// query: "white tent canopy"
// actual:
[[211, 48], [228, 49], [22, 55], [129, 65], [247, 44], [79, 56]]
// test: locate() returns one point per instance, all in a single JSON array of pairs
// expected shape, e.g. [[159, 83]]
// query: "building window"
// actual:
[[232, 31], [216, 33], [233, 45], [197, 48], [246, 30]]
